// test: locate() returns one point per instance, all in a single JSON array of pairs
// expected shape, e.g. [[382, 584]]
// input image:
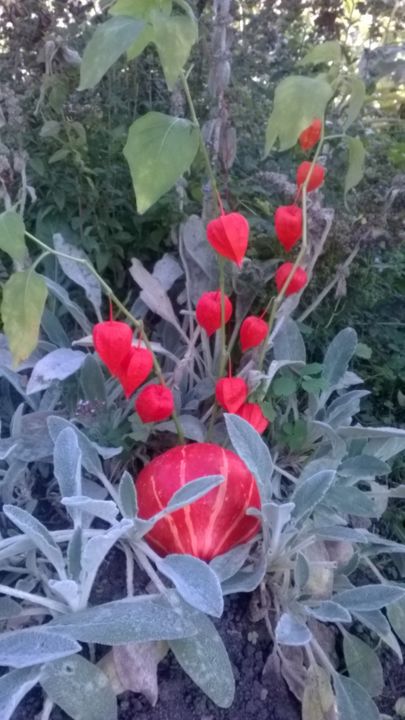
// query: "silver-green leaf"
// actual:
[[205, 659], [80, 688], [23, 648], [250, 447], [195, 581], [353, 702], [363, 664], [139, 619]]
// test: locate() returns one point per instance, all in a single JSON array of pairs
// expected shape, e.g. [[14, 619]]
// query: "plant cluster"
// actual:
[[288, 511]]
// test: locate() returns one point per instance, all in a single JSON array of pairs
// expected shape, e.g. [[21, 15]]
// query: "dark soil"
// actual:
[[257, 697]]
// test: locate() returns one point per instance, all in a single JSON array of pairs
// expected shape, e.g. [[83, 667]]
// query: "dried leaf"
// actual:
[[153, 294], [318, 702], [136, 666]]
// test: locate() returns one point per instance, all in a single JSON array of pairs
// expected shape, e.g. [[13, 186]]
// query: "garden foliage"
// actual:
[[281, 487]]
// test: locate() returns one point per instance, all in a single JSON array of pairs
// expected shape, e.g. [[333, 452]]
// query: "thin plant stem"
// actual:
[[150, 571], [47, 709], [373, 569], [204, 150], [31, 597], [222, 363], [323, 657], [129, 561], [138, 324], [280, 297]]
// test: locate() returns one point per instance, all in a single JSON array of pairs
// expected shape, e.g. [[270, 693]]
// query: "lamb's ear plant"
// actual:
[[48, 580], [316, 565], [289, 525]]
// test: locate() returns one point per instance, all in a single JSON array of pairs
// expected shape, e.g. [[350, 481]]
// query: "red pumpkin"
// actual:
[[211, 525]]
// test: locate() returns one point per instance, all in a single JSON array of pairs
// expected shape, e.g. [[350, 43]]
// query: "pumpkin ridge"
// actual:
[[219, 502], [168, 518], [239, 518], [187, 509]]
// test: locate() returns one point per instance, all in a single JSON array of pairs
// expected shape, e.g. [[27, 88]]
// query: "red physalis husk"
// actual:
[[317, 175], [135, 370], [252, 413], [252, 332], [208, 311], [231, 393], [112, 340], [229, 236], [311, 135], [154, 403], [297, 282], [211, 525], [288, 225]]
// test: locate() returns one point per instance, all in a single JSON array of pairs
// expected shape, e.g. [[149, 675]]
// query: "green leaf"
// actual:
[[298, 100], [329, 611], [284, 386], [159, 149], [205, 659], [145, 37], [139, 619], [363, 466], [195, 581], [289, 343], [291, 632], [80, 688], [109, 42], [140, 8], [311, 369], [193, 490], [31, 646], [67, 460], [13, 687], [12, 231], [396, 616], [311, 491], [127, 493], [174, 37], [38, 533], [363, 351], [313, 385], [326, 52], [355, 170], [369, 597], [357, 98], [59, 155], [338, 355], [250, 447], [363, 664], [24, 297], [268, 410], [351, 500], [92, 381], [353, 702]]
